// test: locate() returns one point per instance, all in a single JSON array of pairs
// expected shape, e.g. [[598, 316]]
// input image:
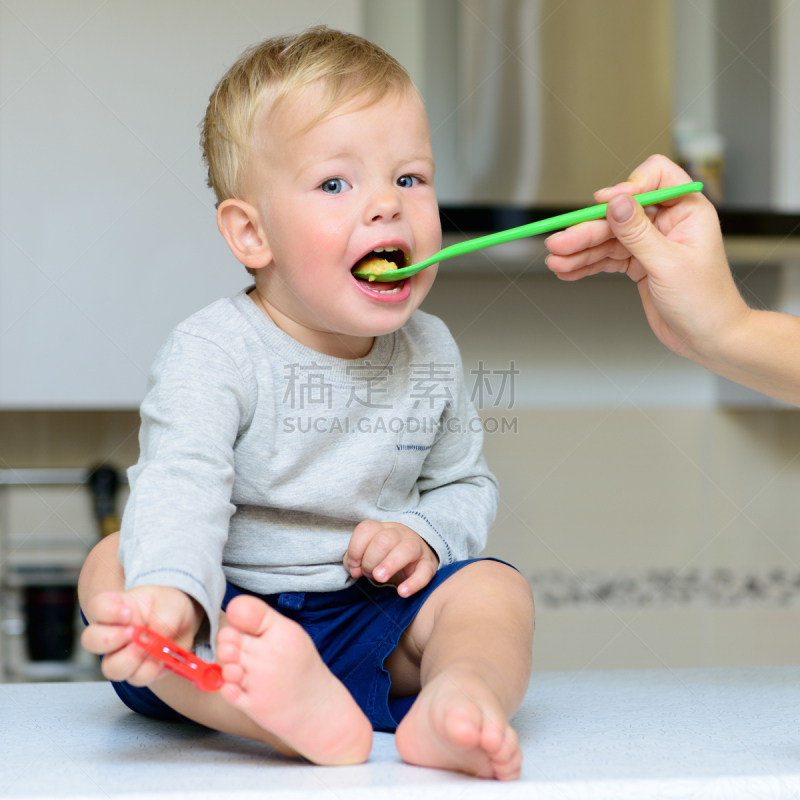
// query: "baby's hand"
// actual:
[[112, 615], [391, 552]]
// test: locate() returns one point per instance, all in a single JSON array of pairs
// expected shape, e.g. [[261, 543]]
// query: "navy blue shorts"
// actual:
[[354, 630]]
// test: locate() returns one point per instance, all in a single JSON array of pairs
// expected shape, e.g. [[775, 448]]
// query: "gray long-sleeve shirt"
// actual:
[[259, 456]]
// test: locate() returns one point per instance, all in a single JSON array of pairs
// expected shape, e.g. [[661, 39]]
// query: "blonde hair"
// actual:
[[345, 65]]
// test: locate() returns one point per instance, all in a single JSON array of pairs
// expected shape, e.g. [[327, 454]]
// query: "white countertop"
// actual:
[[722, 733]]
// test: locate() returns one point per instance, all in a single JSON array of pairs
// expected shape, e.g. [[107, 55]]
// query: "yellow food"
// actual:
[[374, 265]]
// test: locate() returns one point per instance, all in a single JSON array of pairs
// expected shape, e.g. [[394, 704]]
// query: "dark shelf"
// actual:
[[488, 219]]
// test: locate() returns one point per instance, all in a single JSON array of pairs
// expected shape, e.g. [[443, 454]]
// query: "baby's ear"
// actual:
[[240, 224]]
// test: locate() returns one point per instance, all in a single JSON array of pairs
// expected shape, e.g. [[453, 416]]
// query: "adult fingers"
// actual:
[[636, 232], [656, 172], [611, 249], [629, 266], [579, 237]]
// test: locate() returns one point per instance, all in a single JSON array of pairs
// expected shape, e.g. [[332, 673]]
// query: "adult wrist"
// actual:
[[727, 347]]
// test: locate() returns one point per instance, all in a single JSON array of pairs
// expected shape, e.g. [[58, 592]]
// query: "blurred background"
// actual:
[[653, 506]]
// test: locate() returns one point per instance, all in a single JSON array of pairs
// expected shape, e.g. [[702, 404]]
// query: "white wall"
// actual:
[[108, 230], [576, 345]]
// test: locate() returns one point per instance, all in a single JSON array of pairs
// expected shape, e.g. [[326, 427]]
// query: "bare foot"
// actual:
[[458, 723], [274, 674]]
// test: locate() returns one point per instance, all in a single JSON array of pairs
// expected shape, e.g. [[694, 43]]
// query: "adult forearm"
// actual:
[[763, 353]]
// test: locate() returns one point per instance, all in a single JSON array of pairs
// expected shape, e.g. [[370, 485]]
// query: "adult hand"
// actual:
[[673, 251]]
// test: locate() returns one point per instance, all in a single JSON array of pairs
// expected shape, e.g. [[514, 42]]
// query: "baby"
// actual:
[[311, 494]]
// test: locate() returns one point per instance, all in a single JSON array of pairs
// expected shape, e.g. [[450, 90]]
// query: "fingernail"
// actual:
[[604, 189], [126, 614], [380, 573], [621, 207]]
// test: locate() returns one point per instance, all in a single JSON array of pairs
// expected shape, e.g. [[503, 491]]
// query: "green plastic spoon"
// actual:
[[532, 229]]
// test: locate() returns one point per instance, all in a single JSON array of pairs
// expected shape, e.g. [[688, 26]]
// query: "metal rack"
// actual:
[[34, 561]]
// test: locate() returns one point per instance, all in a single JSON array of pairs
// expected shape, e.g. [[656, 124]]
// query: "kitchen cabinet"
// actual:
[[39, 569]]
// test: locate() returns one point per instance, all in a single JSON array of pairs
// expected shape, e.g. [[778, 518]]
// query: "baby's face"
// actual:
[[358, 181]]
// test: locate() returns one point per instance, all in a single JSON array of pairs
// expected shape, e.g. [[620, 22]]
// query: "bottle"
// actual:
[[103, 483], [702, 155]]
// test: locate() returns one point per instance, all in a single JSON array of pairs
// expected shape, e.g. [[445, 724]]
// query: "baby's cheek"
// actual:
[[327, 247], [428, 229]]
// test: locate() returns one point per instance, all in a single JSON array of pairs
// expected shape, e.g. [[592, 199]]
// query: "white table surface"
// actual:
[[721, 733]]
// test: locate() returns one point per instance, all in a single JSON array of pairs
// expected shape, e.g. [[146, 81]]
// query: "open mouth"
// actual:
[[379, 261]]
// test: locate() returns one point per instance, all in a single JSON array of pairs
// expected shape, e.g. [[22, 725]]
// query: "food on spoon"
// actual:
[[372, 265]]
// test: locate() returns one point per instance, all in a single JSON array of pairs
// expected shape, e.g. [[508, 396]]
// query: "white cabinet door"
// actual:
[[108, 236], [786, 99]]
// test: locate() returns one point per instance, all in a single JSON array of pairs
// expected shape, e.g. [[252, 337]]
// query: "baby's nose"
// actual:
[[385, 205]]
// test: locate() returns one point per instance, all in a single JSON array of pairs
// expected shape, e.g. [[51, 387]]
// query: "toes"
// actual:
[[508, 758], [233, 673], [461, 736], [229, 645], [510, 746], [492, 737], [233, 676], [249, 615], [511, 770], [462, 726], [233, 693], [495, 751], [486, 772], [229, 654], [500, 743]]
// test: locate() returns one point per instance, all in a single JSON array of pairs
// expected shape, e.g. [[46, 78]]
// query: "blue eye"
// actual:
[[407, 181], [335, 186]]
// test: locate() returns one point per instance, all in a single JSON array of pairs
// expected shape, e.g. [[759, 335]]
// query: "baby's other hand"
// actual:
[[112, 617], [391, 552]]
